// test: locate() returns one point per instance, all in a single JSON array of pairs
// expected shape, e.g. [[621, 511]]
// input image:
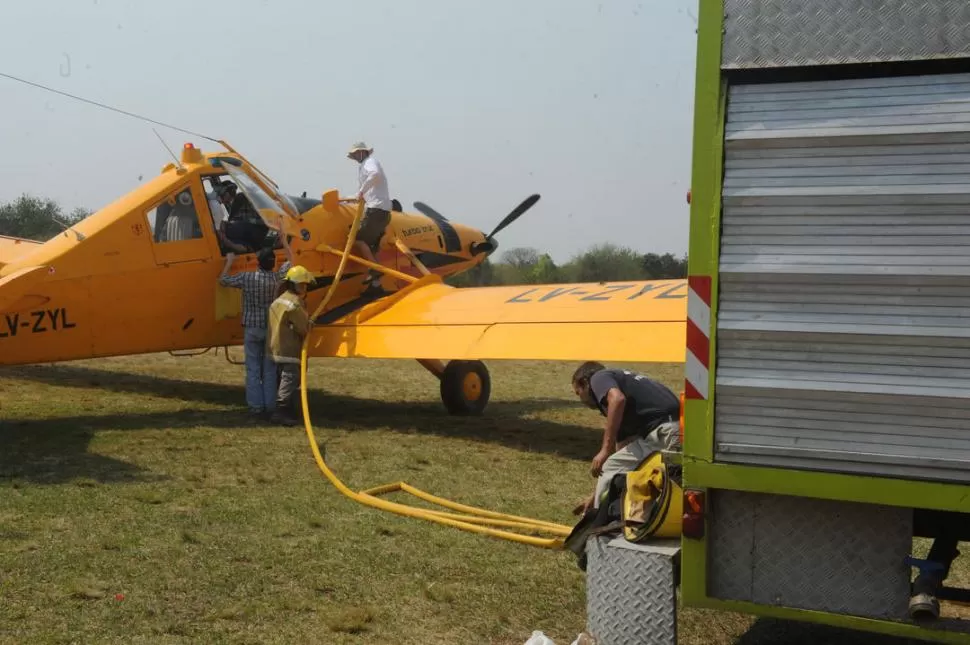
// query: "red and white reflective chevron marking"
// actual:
[[698, 337]]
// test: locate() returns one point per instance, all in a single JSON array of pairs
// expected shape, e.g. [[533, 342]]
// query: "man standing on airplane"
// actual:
[[373, 191], [642, 416]]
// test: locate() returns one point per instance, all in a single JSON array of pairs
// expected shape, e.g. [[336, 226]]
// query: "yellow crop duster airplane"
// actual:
[[141, 275]]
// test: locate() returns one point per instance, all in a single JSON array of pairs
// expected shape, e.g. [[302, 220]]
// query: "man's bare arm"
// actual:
[[224, 278], [229, 258], [615, 404], [286, 244]]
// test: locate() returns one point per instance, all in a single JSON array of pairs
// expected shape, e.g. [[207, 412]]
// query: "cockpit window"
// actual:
[[267, 207], [270, 203], [174, 219], [282, 199]]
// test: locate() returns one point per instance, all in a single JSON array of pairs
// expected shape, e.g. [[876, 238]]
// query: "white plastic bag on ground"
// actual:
[[538, 638]]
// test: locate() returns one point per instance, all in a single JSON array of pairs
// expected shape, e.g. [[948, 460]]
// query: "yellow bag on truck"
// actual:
[[653, 503]]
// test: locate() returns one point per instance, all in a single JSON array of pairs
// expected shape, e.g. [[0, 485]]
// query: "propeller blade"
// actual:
[[426, 210], [516, 213]]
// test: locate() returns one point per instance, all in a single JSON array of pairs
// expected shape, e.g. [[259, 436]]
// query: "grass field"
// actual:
[[139, 505]]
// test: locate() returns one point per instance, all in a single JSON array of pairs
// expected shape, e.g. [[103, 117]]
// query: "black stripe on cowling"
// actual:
[[347, 308], [323, 282], [433, 260], [452, 239]]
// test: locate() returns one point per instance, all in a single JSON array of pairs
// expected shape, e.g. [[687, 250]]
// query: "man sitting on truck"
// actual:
[[642, 416]]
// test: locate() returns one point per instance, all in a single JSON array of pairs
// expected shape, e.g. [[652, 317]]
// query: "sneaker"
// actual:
[[924, 606]]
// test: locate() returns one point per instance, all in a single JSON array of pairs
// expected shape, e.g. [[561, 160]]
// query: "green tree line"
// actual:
[[36, 218], [602, 263]]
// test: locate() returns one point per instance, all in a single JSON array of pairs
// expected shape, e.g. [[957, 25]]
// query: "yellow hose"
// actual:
[[469, 518]]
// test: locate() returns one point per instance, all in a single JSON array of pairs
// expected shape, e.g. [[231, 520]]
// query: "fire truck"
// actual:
[[827, 413]]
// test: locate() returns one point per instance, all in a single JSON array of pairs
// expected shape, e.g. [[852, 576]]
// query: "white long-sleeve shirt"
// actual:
[[373, 184], [218, 211]]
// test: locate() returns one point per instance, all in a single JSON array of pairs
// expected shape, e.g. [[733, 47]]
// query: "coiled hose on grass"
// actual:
[[466, 518]]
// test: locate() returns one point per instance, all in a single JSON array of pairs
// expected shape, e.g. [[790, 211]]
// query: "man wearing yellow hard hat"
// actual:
[[289, 323]]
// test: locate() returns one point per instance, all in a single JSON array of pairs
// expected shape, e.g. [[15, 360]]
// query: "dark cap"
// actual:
[[266, 259]]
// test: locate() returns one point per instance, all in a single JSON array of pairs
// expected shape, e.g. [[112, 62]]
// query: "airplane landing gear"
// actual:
[[465, 385]]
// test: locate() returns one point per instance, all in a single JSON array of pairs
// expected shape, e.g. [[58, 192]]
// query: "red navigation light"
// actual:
[[694, 509]]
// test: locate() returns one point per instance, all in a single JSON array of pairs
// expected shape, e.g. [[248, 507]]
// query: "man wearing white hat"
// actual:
[[376, 197]]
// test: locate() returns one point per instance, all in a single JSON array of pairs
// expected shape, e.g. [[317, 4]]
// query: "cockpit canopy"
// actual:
[[262, 193]]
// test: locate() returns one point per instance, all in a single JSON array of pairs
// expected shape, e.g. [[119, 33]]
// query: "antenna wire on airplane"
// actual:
[[106, 107]]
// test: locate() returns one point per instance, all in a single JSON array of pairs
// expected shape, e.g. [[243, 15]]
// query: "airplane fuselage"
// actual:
[[121, 283]]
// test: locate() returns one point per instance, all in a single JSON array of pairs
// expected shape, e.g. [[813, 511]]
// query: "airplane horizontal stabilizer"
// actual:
[[14, 286], [12, 248]]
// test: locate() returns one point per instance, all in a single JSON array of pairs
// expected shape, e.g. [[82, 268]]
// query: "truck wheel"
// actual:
[[465, 387]]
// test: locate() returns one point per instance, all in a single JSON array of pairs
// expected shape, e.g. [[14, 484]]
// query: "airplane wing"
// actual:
[[622, 321]]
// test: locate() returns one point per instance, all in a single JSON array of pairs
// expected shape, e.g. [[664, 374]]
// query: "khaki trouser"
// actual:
[[287, 401], [664, 437]]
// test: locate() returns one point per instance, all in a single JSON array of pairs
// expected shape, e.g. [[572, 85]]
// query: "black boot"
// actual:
[[296, 411], [283, 415]]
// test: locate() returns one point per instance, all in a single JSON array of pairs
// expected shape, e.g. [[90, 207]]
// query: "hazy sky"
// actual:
[[470, 106]]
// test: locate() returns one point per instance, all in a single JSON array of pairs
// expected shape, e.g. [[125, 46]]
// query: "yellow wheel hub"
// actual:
[[471, 386]]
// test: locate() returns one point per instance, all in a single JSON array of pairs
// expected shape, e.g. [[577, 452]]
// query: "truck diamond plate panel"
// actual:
[[787, 33], [814, 554], [732, 546], [630, 593]]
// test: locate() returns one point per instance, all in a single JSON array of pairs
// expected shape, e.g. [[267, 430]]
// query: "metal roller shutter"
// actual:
[[844, 308]]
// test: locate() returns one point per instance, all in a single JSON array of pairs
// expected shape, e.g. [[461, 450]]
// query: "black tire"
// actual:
[[461, 397]]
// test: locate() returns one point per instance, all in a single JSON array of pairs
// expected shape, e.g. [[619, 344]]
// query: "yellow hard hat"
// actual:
[[298, 274]]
